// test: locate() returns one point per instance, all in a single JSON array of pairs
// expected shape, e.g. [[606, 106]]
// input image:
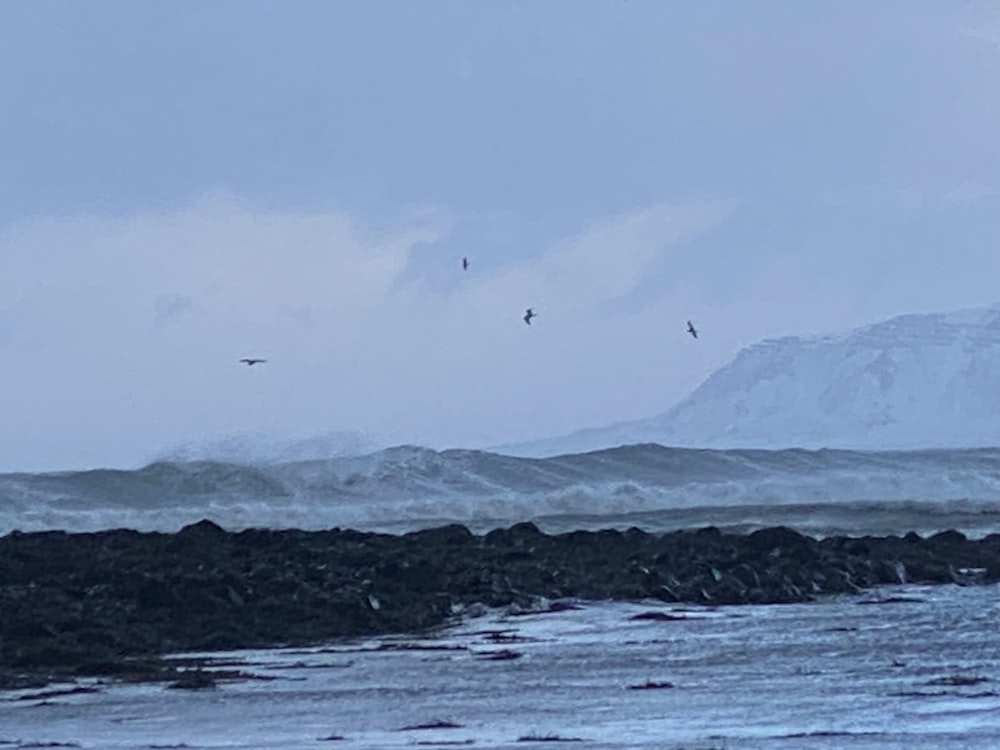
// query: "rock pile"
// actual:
[[93, 603]]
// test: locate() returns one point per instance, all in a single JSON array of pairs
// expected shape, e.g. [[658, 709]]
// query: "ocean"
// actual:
[[649, 486], [898, 667]]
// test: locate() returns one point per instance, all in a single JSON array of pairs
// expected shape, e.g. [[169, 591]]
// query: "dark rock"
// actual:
[[94, 603], [154, 592], [504, 654], [431, 725], [46, 694], [778, 538], [958, 680], [450, 534], [651, 685], [203, 528], [660, 616], [193, 679], [547, 738], [950, 537]]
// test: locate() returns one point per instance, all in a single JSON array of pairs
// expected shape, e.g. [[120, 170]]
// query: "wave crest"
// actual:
[[408, 487]]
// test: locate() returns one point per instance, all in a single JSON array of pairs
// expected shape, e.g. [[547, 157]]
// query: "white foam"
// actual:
[[826, 675], [413, 487]]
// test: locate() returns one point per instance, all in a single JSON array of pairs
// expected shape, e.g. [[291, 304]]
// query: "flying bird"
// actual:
[[465, 264], [692, 330], [251, 361], [529, 315]]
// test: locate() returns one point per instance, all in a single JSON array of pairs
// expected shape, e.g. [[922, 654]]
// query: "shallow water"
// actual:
[[830, 674]]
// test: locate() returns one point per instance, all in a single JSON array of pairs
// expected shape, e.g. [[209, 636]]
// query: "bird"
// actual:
[[692, 330], [465, 264], [529, 315], [251, 361]]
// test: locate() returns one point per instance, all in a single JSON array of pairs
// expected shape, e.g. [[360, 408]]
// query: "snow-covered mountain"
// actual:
[[914, 381]]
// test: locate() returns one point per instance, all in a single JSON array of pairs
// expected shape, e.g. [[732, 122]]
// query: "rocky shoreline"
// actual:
[[111, 603]]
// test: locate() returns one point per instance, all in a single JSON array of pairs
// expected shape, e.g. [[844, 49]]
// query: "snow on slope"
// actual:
[[914, 381]]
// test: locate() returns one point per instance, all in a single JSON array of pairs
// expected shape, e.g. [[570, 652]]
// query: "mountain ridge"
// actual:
[[913, 381]]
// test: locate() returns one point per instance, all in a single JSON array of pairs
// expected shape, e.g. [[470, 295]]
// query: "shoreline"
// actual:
[[112, 603]]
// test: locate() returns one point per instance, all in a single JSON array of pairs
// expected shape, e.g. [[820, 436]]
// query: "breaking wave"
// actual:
[[650, 486]]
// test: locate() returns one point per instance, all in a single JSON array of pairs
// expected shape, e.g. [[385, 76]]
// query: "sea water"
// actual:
[[654, 487], [905, 667], [897, 667]]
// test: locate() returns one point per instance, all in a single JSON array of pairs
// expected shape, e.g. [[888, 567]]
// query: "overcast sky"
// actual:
[[186, 183]]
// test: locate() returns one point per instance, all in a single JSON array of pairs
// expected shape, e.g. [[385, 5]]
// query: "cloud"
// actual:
[[906, 198], [169, 308], [968, 192], [607, 261], [6, 327], [124, 332], [985, 29], [130, 328]]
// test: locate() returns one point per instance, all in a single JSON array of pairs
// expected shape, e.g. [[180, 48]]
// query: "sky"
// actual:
[[186, 184]]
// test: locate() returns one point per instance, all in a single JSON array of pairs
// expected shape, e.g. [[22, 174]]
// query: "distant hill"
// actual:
[[914, 381]]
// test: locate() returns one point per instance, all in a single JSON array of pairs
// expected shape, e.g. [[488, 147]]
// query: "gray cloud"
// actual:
[[773, 169], [170, 308], [356, 339]]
